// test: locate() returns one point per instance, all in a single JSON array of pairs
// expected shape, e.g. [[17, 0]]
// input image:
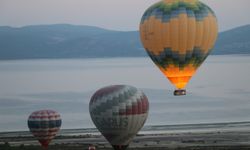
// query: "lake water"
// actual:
[[219, 92]]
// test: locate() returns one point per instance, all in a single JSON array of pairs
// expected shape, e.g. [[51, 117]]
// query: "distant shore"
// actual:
[[101, 57], [166, 141]]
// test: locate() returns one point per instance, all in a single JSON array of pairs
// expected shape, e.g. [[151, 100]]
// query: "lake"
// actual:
[[219, 92]]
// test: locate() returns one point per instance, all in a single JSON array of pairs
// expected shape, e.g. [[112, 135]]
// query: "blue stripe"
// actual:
[[182, 10], [174, 14], [44, 124], [166, 18], [190, 13], [200, 13], [157, 13]]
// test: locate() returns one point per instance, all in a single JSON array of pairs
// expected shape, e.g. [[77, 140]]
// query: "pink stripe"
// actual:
[[42, 117]]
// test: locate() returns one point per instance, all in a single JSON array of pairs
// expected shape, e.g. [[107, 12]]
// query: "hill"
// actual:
[[66, 41], [235, 41], [70, 41]]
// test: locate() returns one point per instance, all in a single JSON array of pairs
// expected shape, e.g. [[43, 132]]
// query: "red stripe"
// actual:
[[139, 104], [43, 117], [45, 143], [141, 107], [44, 134], [45, 114]]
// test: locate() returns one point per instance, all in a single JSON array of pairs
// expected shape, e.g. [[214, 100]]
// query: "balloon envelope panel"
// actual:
[[178, 35], [119, 112]]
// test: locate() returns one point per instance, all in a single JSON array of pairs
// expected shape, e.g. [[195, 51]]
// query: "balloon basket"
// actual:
[[180, 92]]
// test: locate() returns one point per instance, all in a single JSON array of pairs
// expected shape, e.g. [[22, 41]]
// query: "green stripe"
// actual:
[[168, 57], [114, 101], [163, 10]]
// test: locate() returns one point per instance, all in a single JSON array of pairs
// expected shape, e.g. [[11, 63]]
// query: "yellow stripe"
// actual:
[[214, 31], [152, 35], [183, 32], [210, 33], [205, 38], [174, 34], [166, 35], [158, 35], [210, 18], [191, 33], [199, 33]]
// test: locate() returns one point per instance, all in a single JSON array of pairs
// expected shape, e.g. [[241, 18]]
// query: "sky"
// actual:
[[122, 15]]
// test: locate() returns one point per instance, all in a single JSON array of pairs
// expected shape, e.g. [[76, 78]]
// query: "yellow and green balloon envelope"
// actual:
[[178, 35]]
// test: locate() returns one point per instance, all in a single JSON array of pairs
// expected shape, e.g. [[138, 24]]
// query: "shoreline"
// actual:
[[104, 57], [199, 140], [154, 129]]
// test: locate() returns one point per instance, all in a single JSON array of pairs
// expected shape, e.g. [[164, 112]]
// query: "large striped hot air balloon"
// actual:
[[44, 125], [178, 35], [119, 112]]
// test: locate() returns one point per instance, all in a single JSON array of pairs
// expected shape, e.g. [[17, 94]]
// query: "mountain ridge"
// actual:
[[80, 41]]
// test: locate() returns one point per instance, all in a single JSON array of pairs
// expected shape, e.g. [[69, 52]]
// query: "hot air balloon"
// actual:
[[44, 125], [178, 35], [119, 112]]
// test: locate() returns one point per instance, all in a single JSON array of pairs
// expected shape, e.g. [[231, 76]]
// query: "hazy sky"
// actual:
[[111, 14]]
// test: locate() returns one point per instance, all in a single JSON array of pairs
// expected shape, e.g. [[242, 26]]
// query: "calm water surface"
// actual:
[[219, 92]]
